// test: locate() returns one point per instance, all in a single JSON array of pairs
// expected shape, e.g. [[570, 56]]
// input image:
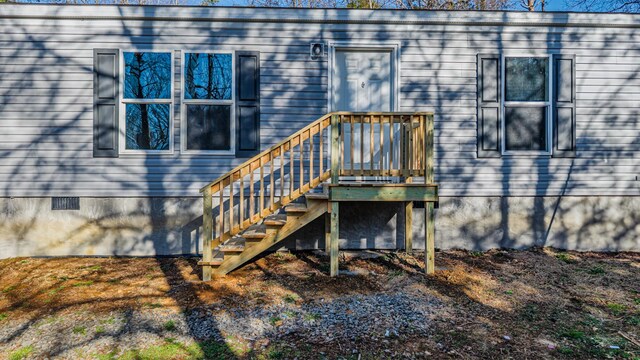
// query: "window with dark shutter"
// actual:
[[526, 105], [247, 103], [105, 102], [489, 112]]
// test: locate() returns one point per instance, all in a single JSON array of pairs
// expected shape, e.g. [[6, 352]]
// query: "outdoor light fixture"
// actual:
[[316, 50]]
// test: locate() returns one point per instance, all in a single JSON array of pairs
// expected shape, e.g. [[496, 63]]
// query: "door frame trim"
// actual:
[[393, 47]]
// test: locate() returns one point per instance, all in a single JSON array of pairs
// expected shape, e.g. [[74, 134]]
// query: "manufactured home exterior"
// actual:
[[536, 130]]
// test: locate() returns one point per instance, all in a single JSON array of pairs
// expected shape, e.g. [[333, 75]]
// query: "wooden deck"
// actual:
[[256, 201]]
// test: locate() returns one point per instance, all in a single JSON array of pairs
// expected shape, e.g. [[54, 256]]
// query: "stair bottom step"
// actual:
[[214, 262]]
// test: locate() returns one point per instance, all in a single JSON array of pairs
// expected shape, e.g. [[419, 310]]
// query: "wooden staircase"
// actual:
[[270, 196], [260, 237]]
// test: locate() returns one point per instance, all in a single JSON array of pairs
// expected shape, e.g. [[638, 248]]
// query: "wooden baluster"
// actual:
[[310, 158], [335, 149], [381, 127], [352, 134], [419, 144], [301, 162], [342, 142], [231, 203], [321, 137], [412, 148], [391, 149], [421, 150], [221, 208], [291, 172], [371, 144], [241, 205], [261, 207], [410, 145], [402, 147], [429, 143], [281, 174], [252, 200], [361, 145], [272, 187], [416, 149]]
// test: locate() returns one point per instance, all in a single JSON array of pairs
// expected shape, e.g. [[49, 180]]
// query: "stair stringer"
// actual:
[[315, 209]]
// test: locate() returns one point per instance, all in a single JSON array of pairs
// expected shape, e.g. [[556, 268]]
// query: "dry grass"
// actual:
[[521, 304]]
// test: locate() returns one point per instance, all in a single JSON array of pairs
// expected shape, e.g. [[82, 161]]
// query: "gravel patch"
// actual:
[[348, 318]]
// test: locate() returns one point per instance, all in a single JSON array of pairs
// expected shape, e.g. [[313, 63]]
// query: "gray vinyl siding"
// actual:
[[46, 95]]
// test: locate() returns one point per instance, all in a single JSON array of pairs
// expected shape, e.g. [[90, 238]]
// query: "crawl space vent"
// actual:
[[65, 203]]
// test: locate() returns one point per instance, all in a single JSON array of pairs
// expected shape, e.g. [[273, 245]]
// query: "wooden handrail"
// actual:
[[403, 143], [295, 157]]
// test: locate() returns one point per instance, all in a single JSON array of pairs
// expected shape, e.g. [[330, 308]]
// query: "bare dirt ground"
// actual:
[[536, 304]]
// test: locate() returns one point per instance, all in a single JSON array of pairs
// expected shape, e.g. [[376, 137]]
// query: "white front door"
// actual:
[[361, 81]]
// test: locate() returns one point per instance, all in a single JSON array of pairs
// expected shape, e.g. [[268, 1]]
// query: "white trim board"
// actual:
[[393, 47]]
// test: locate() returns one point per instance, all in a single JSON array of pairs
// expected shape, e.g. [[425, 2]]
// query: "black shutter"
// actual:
[[105, 102], [489, 96], [247, 103], [564, 106]]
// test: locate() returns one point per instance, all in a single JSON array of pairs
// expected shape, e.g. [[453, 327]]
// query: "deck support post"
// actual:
[[429, 238], [429, 218], [207, 233], [408, 227], [334, 250], [334, 207], [327, 231]]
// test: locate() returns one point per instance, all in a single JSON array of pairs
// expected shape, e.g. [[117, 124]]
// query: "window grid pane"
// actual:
[[147, 126], [208, 76], [208, 127], [147, 75], [525, 128], [526, 79]]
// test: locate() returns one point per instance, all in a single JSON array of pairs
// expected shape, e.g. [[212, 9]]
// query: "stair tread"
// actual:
[[296, 208], [317, 196], [254, 234], [276, 220], [231, 247], [214, 262]]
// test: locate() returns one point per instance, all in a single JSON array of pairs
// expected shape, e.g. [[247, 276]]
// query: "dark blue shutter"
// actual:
[[105, 102], [247, 103], [488, 113], [564, 106]]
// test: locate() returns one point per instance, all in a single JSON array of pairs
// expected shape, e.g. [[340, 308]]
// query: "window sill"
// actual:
[[208, 153], [527, 154]]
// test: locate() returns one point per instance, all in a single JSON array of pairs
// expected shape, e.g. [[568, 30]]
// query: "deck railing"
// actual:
[[359, 144], [385, 144]]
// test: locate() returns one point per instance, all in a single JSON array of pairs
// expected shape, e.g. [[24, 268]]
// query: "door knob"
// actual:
[[362, 85]]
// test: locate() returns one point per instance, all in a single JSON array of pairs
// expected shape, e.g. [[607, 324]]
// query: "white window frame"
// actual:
[[548, 104], [122, 121], [184, 102]]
